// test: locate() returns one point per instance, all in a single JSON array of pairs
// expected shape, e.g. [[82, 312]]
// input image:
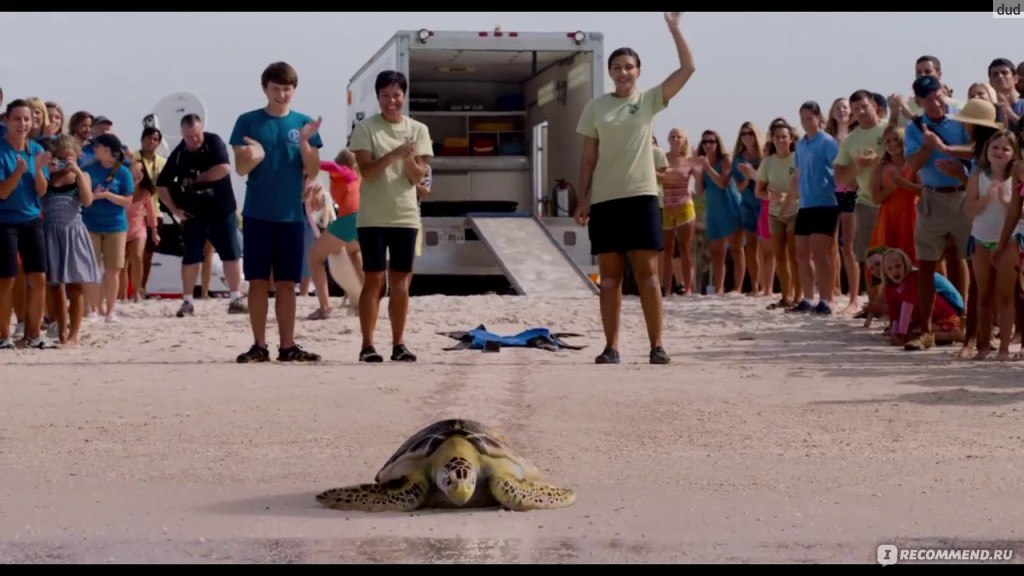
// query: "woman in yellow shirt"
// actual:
[[618, 192]]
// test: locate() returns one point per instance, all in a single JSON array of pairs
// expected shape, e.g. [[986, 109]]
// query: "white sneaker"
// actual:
[[40, 343], [19, 330], [7, 344]]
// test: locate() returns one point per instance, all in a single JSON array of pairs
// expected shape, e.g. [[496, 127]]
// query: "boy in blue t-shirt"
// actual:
[[276, 148]]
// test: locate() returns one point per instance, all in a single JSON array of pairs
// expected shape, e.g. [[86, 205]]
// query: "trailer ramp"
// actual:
[[533, 263]]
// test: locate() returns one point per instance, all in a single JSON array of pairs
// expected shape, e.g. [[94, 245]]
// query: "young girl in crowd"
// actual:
[[981, 125], [142, 221], [989, 195], [775, 187], [876, 308], [982, 90], [70, 259], [679, 218], [107, 218], [839, 125], [723, 211], [895, 188], [341, 232], [900, 279]]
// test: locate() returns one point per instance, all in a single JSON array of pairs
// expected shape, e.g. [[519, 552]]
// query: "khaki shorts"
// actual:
[[109, 249], [940, 215], [867, 216], [781, 226]]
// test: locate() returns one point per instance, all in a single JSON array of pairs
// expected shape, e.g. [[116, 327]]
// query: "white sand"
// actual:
[[772, 437]]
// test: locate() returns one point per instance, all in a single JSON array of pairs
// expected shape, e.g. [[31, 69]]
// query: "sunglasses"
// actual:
[[709, 142], [746, 133]]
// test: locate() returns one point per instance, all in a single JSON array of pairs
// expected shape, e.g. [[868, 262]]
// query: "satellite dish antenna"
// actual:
[[167, 115]]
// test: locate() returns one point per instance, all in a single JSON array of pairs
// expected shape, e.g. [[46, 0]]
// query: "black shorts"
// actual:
[[276, 247], [26, 239], [221, 231], [625, 225], [817, 220], [379, 244], [847, 201]]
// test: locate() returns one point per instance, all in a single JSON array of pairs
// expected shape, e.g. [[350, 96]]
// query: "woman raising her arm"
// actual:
[[618, 193]]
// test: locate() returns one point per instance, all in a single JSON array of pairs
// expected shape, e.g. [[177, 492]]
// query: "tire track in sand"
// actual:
[[496, 395]]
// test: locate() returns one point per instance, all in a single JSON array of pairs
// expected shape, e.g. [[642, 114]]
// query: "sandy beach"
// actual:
[[771, 437]]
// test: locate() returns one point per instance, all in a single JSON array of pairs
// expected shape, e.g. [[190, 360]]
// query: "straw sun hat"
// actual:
[[978, 112]]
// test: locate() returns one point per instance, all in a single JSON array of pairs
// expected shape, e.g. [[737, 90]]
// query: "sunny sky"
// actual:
[[750, 66]]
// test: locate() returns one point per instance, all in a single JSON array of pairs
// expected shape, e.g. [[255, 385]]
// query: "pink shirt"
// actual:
[[677, 185], [344, 187]]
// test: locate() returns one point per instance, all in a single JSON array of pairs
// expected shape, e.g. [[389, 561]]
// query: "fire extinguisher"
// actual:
[[562, 197]]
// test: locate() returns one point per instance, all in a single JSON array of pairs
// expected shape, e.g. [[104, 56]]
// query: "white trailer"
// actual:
[[502, 109]]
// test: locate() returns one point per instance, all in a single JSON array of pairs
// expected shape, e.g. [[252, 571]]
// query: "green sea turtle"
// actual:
[[452, 463]]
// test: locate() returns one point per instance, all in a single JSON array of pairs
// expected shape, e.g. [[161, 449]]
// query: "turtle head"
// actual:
[[457, 479]]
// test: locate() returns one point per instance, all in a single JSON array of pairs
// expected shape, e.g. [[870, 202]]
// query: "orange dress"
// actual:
[[897, 217]]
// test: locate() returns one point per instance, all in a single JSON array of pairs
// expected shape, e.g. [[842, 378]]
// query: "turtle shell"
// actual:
[[422, 445]]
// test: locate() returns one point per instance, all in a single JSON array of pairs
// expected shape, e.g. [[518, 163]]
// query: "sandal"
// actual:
[[296, 354], [369, 354], [320, 314], [803, 306], [255, 354], [399, 353], [608, 356], [659, 356]]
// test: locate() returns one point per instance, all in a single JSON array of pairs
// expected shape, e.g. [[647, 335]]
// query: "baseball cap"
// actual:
[[101, 120], [925, 85]]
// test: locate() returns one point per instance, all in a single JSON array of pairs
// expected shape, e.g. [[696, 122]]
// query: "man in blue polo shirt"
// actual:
[[930, 138]]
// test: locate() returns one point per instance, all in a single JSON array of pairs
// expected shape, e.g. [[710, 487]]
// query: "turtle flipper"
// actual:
[[518, 495], [399, 495]]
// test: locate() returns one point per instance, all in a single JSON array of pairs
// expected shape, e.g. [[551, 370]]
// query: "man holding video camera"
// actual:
[[195, 185]]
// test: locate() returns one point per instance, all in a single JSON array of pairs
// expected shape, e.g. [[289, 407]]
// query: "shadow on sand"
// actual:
[[840, 350]]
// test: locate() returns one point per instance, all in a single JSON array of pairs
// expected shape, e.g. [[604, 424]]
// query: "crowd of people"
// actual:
[[78, 208], [911, 203], [80, 212], [914, 199]]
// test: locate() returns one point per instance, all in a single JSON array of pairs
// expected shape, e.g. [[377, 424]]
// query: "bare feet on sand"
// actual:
[[965, 352]]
